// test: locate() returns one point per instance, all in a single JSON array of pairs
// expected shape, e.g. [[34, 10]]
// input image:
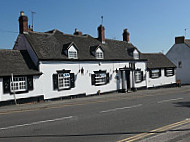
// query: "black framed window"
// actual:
[[100, 78], [169, 71], [19, 84], [155, 73], [138, 76], [63, 80]]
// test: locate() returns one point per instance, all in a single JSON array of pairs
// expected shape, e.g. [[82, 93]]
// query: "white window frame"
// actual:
[[135, 54], [72, 54], [18, 84], [99, 54], [100, 78], [64, 81], [155, 73], [138, 76]]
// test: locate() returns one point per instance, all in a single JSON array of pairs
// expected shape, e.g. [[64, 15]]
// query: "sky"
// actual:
[[152, 24]]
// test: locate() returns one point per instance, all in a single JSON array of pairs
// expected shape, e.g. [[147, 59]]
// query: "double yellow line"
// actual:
[[152, 132]]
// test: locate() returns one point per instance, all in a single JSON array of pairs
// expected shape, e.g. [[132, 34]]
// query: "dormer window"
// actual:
[[99, 54], [72, 54], [70, 50], [135, 54]]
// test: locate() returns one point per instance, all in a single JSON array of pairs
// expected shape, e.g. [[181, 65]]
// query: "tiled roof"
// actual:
[[157, 60], [49, 46], [16, 62]]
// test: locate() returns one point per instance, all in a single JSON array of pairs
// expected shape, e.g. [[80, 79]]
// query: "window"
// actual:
[[63, 80], [155, 73], [72, 54], [135, 54], [169, 72], [100, 78], [99, 55], [138, 76], [18, 84], [179, 64]]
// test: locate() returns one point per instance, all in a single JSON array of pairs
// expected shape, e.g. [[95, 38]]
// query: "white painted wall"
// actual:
[[37, 91], [22, 44], [83, 82], [162, 80], [1, 88], [181, 52], [142, 66]]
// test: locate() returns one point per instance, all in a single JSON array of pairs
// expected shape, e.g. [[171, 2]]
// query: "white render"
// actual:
[[161, 81], [83, 81], [181, 52], [37, 91]]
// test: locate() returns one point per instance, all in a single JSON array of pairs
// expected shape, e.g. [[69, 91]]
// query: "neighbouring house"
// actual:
[[18, 75], [160, 70], [77, 64], [179, 55]]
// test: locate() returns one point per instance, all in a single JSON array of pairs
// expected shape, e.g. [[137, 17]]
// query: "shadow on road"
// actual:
[[182, 104], [88, 135]]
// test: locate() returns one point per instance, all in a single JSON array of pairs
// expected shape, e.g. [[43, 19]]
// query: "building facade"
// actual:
[[65, 65], [179, 55]]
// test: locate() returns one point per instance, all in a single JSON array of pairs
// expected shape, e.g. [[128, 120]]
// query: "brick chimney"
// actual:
[[23, 23], [77, 32], [180, 39], [101, 33], [125, 35]]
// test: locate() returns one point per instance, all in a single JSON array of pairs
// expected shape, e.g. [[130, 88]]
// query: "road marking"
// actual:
[[163, 101], [155, 131], [36, 123], [115, 109], [83, 103]]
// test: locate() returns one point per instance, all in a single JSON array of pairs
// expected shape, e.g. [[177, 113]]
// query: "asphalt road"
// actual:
[[107, 118]]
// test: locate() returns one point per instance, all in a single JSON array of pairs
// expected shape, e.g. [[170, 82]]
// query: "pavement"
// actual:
[[87, 99]]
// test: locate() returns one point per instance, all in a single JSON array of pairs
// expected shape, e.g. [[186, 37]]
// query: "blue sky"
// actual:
[[152, 24]]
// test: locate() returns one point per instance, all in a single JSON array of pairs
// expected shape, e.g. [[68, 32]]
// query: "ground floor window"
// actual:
[[169, 72], [64, 80], [138, 76], [155, 73], [100, 78], [18, 84]]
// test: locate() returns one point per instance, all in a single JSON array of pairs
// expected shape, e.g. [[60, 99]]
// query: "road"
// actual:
[[106, 118]]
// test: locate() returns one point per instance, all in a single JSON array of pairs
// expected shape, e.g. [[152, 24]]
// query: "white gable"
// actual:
[[135, 54], [72, 52]]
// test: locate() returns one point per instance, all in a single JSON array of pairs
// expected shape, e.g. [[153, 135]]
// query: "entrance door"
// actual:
[[128, 79], [125, 75]]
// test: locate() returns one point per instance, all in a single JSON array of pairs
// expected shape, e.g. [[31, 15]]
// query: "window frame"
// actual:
[[138, 78], [100, 78], [64, 81], [19, 84], [169, 72], [99, 54], [154, 74], [72, 54]]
